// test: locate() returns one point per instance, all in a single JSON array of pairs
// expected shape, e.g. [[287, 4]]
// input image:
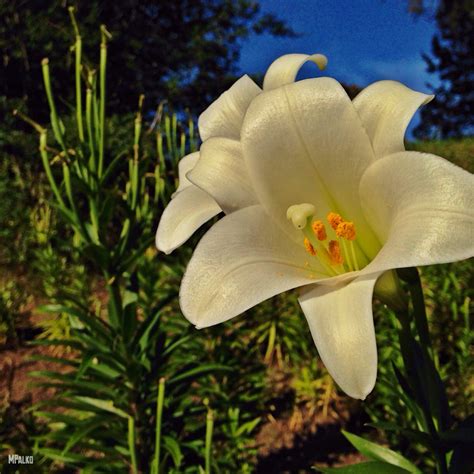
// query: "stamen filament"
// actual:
[[321, 251], [336, 256], [354, 257], [346, 254]]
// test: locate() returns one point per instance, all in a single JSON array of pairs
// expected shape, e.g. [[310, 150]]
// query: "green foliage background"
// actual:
[[246, 396]]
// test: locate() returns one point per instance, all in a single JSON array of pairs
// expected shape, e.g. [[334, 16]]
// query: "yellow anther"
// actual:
[[347, 230], [334, 219], [319, 230], [335, 252], [309, 247], [299, 214]]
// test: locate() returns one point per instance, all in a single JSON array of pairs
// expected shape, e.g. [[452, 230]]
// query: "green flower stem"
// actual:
[[115, 300], [79, 224], [420, 366], [174, 135], [131, 444], [103, 67], [159, 414], [169, 140], [47, 168], [68, 187], [271, 342], [90, 135], [160, 152], [80, 125], [136, 153], [182, 145], [94, 219], [192, 139], [78, 57], [54, 116], [160, 171], [95, 111], [72, 15], [419, 309], [208, 446]]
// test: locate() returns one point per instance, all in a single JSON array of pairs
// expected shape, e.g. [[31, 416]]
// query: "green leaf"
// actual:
[[463, 433], [126, 263], [374, 467], [172, 447], [198, 371], [107, 405], [54, 417], [462, 460], [379, 453], [83, 431], [417, 436], [56, 455], [459, 435], [169, 348], [248, 427], [143, 332], [98, 326], [109, 171]]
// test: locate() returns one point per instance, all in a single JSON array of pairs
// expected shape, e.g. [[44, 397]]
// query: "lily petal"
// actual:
[[422, 208], [224, 117], [305, 143], [285, 69], [185, 165], [221, 172], [386, 108], [185, 213], [242, 260], [341, 323]]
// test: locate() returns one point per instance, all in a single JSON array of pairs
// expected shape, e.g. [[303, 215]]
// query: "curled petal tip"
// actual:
[[365, 393], [429, 98], [285, 69], [162, 249], [320, 60]]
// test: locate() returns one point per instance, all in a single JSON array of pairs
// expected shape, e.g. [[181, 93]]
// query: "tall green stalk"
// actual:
[[208, 445], [103, 68], [131, 444], [55, 123], [159, 414], [78, 68], [420, 367]]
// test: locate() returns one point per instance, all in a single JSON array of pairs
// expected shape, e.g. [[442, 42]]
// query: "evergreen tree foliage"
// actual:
[[451, 114], [184, 51]]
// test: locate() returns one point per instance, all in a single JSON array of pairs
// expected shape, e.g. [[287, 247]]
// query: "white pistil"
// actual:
[[299, 214]]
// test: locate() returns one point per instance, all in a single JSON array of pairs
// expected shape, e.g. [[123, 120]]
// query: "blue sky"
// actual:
[[364, 40]]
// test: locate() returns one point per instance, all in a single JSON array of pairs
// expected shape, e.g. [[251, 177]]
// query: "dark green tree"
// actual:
[[451, 114], [184, 51]]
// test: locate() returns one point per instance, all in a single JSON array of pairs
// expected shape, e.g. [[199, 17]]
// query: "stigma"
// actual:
[[299, 214]]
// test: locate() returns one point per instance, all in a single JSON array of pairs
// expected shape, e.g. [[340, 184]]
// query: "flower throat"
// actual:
[[337, 256]]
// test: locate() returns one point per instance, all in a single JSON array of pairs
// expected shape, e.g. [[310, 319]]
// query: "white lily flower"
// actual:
[[334, 203], [194, 203]]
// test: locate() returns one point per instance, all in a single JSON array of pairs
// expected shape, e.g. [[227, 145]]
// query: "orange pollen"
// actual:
[[346, 230], [335, 252], [334, 219], [309, 248], [319, 230]]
